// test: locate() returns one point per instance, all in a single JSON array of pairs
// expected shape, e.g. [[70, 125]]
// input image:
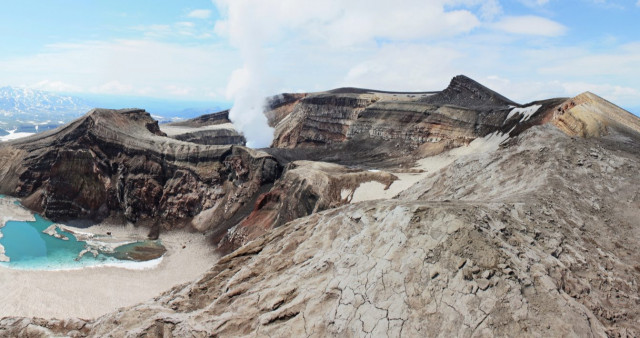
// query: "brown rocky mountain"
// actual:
[[453, 213], [119, 162], [374, 125]]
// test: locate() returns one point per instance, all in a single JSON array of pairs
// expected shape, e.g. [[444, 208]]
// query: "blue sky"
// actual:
[[242, 49]]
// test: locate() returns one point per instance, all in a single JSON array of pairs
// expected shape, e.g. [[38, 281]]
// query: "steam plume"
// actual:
[[248, 87]]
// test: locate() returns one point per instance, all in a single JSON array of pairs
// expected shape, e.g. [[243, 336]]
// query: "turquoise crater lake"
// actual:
[[44, 245]]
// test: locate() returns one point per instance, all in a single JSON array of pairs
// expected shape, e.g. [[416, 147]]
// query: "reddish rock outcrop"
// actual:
[[588, 115], [306, 187]]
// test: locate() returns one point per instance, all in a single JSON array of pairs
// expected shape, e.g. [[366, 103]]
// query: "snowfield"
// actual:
[[526, 112], [13, 135]]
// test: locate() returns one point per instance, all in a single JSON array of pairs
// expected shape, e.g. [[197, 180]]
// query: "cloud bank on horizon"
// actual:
[[243, 50]]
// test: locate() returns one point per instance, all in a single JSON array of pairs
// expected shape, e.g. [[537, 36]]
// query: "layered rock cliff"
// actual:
[[119, 161], [351, 120], [359, 129]]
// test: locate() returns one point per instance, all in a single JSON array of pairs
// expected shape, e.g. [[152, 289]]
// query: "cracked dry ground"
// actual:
[[539, 239]]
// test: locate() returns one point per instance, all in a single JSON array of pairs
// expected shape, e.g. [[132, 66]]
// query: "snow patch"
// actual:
[[374, 190], [131, 265], [489, 143], [526, 112], [345, 194], [13, 135]]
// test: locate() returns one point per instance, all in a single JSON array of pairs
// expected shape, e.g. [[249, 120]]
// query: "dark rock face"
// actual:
[[465, 92], [119, 161], [280, 106]]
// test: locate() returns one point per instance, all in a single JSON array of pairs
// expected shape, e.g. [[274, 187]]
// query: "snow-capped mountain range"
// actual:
[[24, 110]]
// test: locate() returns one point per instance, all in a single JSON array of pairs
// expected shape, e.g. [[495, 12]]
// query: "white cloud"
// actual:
[[614, 92], [199, 14], [154, 31], [522, 73], [415, 68], [132, 67], [412, 45], [525, 91], [115, 87], [343, 22], [489, 9], [530, 25], [533, 3], [178, 90], [608, 4], [178, 29], [55, 86], [185, 24], [622, 62]]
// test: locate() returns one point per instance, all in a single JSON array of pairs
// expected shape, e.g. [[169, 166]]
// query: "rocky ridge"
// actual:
[[588, 115], [383, 124], [361, 129]]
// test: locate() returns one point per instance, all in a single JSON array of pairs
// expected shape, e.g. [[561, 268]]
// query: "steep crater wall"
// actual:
[[119, 161], [353, 121]]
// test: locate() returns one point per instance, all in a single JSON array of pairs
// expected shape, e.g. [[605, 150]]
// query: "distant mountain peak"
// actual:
[[27, 100], [25, 109]]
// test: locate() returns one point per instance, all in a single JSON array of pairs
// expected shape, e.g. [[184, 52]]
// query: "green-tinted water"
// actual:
[[29, 248]]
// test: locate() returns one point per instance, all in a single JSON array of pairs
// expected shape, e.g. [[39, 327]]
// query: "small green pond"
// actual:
[[28, 247]]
